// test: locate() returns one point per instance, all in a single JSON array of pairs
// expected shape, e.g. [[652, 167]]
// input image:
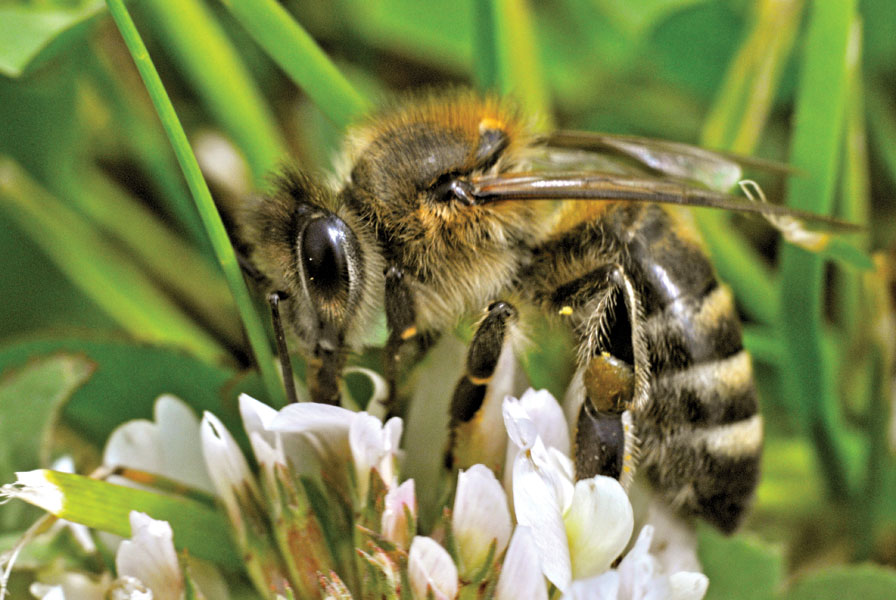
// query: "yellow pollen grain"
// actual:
[[409, 333], [490, 123], [565, 311], [478, 380]]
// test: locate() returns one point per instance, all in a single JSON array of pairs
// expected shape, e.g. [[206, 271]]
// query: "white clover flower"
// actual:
[[150, 558], [147, 567], [168, 446], [431, 571], [338, 434], [480, 518], [640, 577], [579, 528], [521, 575], [400, 503]]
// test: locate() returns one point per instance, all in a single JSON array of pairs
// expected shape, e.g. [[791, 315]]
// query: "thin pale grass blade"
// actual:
[[290, 46], [817, 140], [192, 35], [211, 220], [115, 284], [198, 528]]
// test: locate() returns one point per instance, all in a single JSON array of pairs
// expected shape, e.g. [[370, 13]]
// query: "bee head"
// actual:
[[422, 155], [311, 252]]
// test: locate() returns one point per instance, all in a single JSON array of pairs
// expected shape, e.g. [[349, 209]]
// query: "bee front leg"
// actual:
[[401, 317], [490, 367], [289, 383]]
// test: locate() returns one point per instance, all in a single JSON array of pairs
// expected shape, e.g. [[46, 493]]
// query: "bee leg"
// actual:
[[483, 356], [605, 437], [289, 384], [400, 318]]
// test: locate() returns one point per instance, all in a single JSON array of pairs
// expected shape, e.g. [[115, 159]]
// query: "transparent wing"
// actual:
[[542, 185], [718, 171]]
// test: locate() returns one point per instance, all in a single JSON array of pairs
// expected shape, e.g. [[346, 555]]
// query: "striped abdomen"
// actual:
[[700, 430]]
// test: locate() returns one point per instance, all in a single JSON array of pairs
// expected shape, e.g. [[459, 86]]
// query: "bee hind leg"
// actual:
[[605, 440]]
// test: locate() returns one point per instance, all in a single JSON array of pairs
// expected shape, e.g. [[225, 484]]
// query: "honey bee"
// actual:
[[451, 204]]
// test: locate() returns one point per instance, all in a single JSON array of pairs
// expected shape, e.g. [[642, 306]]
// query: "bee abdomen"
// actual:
[[706, 471], [700, 428]]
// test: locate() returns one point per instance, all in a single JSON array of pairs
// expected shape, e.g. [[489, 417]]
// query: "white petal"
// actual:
[[70, 586], [521, 575], [394, 525], [674, 542], [637, 568], [480, 517], [257, 417], [181, 452], [134, 444], [686, 585], [520, 428], [35, 488], [305, 417], [544, 410], [537, 507], [430, 567], [168, 446], [602, 587], [149, 556], [373, 445], [225, 463], [324, 426], [598, 525], [541, 410]]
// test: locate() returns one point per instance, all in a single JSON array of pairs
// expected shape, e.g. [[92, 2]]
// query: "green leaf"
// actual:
[[27, 32], [517, 58], [868, 582], [127, 381], [198, 529], [31, 398], [739, 568]]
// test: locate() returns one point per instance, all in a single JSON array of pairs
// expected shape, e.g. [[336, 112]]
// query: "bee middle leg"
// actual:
[[605, 440], [470, 439]]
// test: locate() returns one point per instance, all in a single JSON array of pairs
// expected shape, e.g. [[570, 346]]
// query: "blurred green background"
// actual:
[[107, 267]]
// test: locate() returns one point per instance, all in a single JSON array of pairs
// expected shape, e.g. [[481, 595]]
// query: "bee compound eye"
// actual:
[[324, 249]]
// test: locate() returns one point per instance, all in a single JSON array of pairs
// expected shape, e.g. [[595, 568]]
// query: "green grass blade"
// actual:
[[516, 59], [220, 78], [192, 277], [740, 112], [735, 123], [199, 529], [817, 138], [300, 57], [485, 60], [118, 286], [211, 220], [882, 121], [144, 140]]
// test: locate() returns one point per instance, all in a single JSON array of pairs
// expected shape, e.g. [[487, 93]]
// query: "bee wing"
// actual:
[[630, 188], [718, 171]]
